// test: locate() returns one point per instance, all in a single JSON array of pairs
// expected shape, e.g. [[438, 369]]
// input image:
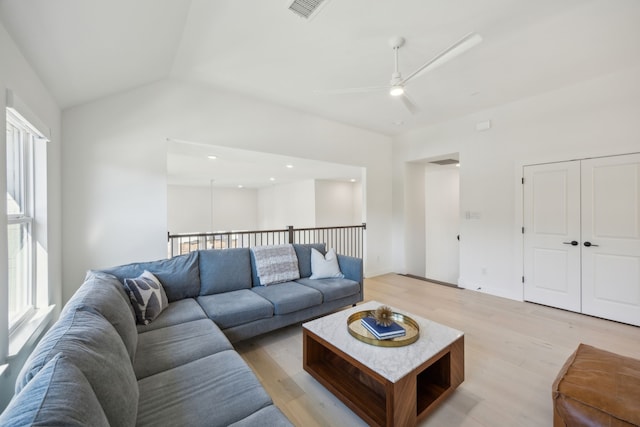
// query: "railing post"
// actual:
[[290, 229]]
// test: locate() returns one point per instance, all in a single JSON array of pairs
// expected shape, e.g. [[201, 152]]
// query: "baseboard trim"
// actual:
[[437, 282]]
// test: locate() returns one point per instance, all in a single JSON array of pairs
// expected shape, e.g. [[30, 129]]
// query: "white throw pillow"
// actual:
[[325, 267]]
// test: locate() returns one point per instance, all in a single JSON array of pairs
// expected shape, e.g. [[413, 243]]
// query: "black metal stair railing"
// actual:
[[346, 240]]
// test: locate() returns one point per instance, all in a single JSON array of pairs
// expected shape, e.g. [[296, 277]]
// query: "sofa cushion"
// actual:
[[103, 294], [325, 266], [274, 264], [166, 348], [216, 390], [59, 395], [235, 308], [223, 270], [147, 297], [289, 296], [181, 311], [104, 279], [303, 252], [179, 275], [351, 267], [92, 344], [269, 416], [332, 289]]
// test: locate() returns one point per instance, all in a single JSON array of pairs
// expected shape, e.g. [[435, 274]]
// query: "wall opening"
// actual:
[[433, 218], [215, 188]]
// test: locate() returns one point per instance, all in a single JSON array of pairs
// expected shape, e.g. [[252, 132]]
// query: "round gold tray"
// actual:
[[361, 333]]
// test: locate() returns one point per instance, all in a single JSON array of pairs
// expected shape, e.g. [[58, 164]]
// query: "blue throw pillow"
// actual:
[[147, 297]]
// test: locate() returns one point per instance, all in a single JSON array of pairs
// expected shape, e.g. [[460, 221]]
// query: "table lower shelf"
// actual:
[[374, 398]]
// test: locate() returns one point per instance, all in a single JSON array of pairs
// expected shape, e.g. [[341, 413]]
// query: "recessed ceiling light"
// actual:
[[212, 157], [272, 179], [240, 186], [352, 180], [289, 166]]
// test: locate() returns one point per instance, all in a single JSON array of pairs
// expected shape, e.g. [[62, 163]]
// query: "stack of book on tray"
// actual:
[[382, 332]]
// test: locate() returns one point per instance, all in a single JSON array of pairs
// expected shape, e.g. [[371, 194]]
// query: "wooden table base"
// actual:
[[375, 399]]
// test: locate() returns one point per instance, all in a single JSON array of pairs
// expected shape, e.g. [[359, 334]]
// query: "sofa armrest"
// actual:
[[351, 267]]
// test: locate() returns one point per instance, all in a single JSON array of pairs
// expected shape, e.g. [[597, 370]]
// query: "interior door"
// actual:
[[611, 238], [552, 235], [442, 223]]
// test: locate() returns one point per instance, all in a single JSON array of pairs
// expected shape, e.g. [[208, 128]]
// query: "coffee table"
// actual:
[[385, 386]]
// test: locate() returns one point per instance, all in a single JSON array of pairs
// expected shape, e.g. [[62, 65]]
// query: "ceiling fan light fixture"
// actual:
[[396, 90]]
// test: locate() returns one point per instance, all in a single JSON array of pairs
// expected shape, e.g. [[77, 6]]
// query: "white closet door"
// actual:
[[552, 234], [611, 238]]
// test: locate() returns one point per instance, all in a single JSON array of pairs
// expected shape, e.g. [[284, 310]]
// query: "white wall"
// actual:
[[235, 209], [337, 203], [115, 194], [358, 203], [280, 206], [17, 75], [309, 203], [188, 209], [203, 209], [414, 205], [593, 118], [442, 223]]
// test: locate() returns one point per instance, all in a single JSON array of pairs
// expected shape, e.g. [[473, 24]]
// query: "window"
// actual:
[[21, 137]]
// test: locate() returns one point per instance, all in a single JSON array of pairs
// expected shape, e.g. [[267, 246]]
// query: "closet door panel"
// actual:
[[552, 222], [611, 238]]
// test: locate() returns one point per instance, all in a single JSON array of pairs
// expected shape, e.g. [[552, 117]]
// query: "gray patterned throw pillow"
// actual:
[[147, 297]]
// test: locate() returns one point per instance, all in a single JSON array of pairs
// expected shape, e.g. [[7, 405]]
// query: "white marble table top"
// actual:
[[392, 363]]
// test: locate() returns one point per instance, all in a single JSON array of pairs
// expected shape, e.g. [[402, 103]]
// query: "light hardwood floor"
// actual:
[[513, 351]]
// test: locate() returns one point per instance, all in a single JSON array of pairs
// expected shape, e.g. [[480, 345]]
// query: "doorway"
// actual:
[[432, 216], [442, 221]]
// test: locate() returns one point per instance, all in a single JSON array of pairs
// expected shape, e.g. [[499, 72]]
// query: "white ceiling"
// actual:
[[84, 50], [188, 164]]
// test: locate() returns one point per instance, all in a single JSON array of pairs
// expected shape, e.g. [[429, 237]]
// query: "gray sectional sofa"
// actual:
[[97, 367]]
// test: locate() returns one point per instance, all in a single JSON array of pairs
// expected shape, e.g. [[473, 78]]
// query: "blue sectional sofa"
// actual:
[[96, 366]]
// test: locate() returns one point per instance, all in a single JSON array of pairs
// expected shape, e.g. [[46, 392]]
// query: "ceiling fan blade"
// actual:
[[408, 103], [459, 47], [352, 90]]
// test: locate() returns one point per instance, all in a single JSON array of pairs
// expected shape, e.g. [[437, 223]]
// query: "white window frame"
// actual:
[[28, 134]]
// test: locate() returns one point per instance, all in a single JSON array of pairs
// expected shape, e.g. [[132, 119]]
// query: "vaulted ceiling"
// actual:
[[84, 50]]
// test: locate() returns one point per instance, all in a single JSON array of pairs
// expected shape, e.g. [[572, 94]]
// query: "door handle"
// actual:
[[572, 243], [587, 244]]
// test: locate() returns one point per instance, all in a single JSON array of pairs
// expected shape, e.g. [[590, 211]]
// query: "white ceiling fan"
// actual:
[[398, 83]]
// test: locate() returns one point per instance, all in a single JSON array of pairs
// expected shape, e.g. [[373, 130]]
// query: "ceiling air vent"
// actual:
[[445, 162], [306, 8]]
